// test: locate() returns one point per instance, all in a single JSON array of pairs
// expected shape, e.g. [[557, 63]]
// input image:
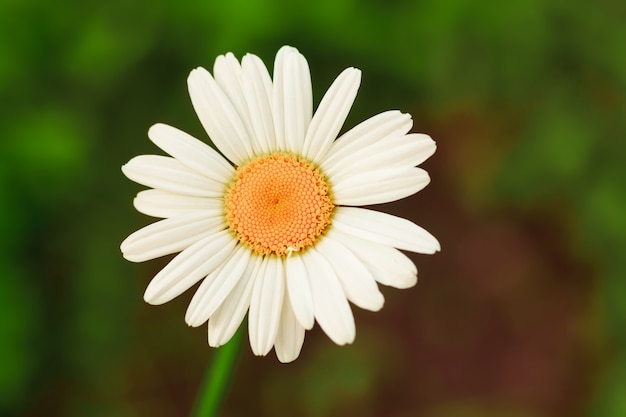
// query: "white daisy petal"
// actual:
[[257, 86], [425, 145], [331, 114], [385, 229], [388, 124], [219, 117], [189, 267], [169, 174], [290, 336], [299, 290], [233, 80], [216, 287], [388, 265], [389, 153], [266, 306], [382, 186], [332, 310], [278, 95], [170, 235], [159, 203], [227, 74], [298, 101], [292, 99], [228, 317], [356, 280], [190, 151]]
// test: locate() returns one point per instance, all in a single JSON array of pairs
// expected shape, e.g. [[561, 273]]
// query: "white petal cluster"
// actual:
[[247, 113]]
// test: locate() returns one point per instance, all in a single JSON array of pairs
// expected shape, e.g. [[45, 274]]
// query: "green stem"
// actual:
[[217, 378]]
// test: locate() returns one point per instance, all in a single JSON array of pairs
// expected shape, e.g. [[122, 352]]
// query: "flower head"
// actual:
[[271, 228]]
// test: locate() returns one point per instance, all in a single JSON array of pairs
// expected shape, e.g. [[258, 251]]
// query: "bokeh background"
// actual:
[[522, 313]]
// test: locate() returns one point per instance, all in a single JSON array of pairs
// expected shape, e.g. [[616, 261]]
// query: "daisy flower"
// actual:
[[269, 225]]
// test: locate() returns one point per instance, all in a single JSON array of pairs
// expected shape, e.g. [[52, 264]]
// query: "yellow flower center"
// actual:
[[278, 204]]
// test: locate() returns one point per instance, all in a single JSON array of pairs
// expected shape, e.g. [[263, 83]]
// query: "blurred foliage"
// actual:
[[520, 315]]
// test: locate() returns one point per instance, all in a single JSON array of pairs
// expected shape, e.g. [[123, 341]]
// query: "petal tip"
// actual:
[[150, 297], [196, 73], [284, 358], [435, 247], [154, 130], [379, 304], [124, 248], [288, 48], [356, 71], [193, 321]]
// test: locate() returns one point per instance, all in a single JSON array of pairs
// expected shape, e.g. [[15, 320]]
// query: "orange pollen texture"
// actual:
[[278, 204]]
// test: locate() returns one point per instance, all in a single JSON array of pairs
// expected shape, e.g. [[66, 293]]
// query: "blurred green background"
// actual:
[[520, 315]]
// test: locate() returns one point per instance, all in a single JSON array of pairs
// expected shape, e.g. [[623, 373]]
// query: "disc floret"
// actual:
[[278, 204]]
